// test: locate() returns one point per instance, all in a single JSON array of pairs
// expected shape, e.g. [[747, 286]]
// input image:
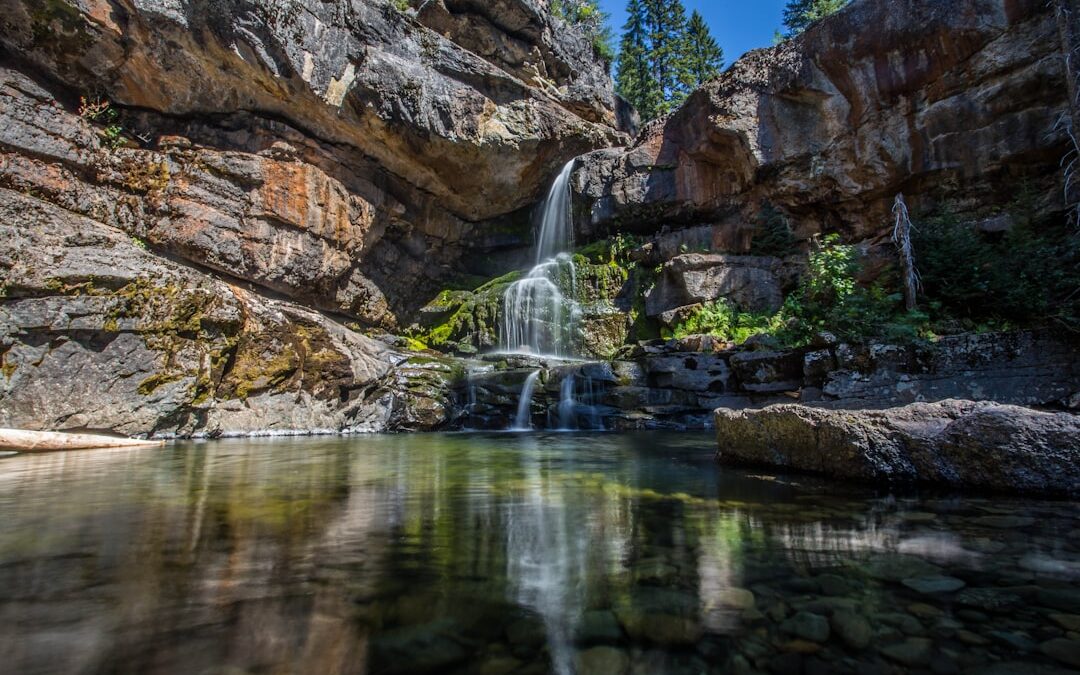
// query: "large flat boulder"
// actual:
[[958, 443]]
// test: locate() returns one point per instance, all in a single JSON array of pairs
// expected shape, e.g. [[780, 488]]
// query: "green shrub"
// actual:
[[587, 15], [1029, 275], [723, 320], [774, 236]]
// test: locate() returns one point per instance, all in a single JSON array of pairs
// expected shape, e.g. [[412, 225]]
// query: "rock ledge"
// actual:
[[959, 443]]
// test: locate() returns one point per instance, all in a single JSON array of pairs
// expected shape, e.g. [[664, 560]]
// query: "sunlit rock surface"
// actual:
[[946, 101], [959, 443], [267, 180]]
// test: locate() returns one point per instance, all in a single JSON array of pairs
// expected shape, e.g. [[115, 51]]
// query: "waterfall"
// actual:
[[577, 406], [567, 402], [539, 311], [522, 421]]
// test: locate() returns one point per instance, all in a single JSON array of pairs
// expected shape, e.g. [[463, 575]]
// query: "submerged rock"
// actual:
[[961, 443]]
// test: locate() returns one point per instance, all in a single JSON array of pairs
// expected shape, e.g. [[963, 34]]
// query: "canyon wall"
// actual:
[[956, 104], [205, 204]]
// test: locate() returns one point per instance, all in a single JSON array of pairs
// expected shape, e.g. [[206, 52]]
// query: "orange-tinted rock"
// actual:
[[951, 102]]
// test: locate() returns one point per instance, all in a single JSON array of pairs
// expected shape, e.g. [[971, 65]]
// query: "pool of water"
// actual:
[[514, 553]]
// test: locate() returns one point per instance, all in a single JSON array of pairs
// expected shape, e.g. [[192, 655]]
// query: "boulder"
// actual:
[[768, 372], [958, 443], [753, 284]]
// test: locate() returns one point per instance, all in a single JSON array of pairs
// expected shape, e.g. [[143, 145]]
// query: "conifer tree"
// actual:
[[799, 14], [704, 58], [663, 57], [666, 22], [635, 80]]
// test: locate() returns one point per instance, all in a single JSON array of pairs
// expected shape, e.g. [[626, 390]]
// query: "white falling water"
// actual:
[[539, 311], [567, 403], [522, 421], [577, 409]]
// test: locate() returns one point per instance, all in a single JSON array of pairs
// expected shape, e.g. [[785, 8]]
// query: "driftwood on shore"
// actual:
[[40, 441]]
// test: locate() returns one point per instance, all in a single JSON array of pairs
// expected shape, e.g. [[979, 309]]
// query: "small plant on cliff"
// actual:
[[586, 14], [96, 109], [99, 110]]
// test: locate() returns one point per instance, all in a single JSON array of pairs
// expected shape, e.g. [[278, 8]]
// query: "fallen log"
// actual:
[[40, 441]]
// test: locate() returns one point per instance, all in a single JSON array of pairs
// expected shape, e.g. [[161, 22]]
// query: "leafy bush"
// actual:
[[1024, 276], [721, 319], [587, 15], [829, 298]]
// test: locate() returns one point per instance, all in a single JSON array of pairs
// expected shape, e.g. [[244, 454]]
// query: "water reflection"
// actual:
[[507, 553]]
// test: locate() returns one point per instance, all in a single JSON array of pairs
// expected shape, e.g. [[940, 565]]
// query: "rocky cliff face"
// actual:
[[369, 146], [954, 103], [203, 202]]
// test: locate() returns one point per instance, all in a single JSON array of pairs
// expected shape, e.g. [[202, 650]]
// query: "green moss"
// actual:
[[7, 368], [254, 371], [145, 177], [500, 283], [150, 384], [440, 335]]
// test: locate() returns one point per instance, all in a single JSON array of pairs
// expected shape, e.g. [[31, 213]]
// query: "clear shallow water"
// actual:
[[513, 553]]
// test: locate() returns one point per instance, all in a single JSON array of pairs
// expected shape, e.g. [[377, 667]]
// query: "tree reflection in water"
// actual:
[[453, 553]]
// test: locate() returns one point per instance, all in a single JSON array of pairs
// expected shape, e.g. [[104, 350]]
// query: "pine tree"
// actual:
[[799, 14], [704, 58], [666, 22], [635, 80]]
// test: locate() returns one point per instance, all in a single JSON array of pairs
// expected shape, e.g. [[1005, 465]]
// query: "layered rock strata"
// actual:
[[679, 383], [954, 103], [206, 205]]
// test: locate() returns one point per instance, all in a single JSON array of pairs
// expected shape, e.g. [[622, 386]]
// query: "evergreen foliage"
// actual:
[[1029, 275], [663, 56], [704, 58], [774, 236], [635, 81], [666, 20], [799, 14]]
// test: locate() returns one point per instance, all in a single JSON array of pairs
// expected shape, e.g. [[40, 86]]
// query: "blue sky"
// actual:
[[738, 25]]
